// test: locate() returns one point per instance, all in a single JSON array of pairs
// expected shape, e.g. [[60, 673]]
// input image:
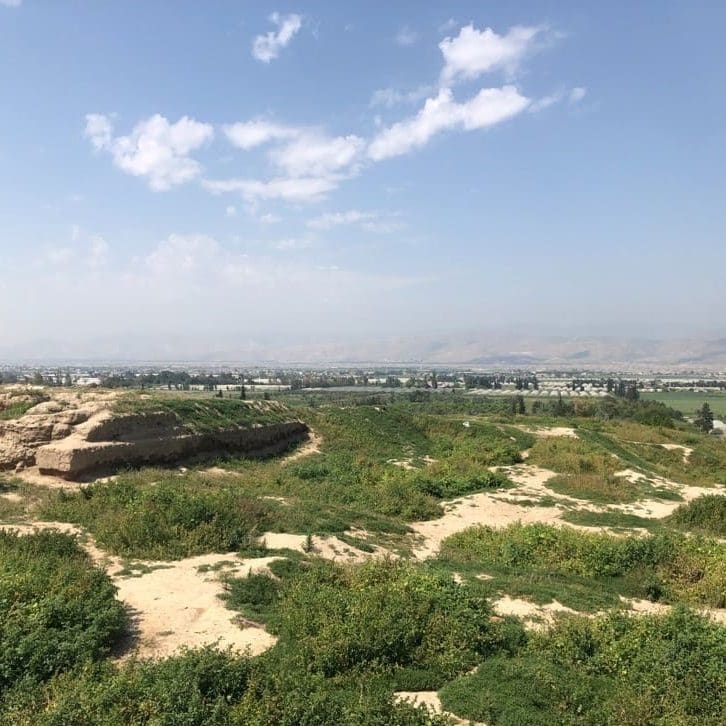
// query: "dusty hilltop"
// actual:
[[77, 434]]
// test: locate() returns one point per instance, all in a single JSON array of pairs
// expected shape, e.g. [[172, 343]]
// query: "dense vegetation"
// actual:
[[57, 611], [589, 571], [706, 515], [612, 670], [350, 636]]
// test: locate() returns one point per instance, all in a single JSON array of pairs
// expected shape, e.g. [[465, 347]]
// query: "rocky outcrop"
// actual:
[[85, 436], [75, 457]]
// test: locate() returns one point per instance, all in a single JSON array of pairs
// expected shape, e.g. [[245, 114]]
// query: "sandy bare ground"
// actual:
[[657, 508], [12, 497], [311, 446], [330, 548], [535, 617], [32, 475], [646, 607], [484, 508], [552, 431], [431, 700], [178, 605], [175, 604], [687, 450]]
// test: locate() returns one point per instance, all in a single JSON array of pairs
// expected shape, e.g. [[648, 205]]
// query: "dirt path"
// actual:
[[535, 617], [311, 446], [329, 547], [551, 431], [431, 700], [687, 450]]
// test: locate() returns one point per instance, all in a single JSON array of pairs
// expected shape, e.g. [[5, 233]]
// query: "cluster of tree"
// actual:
[[704, 418], [623, 388], [489, 381]]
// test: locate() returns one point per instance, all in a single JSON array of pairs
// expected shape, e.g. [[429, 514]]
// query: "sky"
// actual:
[[314, 170]]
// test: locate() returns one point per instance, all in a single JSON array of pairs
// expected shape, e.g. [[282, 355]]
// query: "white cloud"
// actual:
[[89, 249], [99, 130], [577, 94], [248, 134], [390, 97], [59, 255], [301, 189], [268, 218], [541, 104], [231, 211], [155, 149], [317, 155], [370, 221], [268, 46], [292, 243], [406, 36], [474, 52], [11, 3], [335, 219], [489, 107]]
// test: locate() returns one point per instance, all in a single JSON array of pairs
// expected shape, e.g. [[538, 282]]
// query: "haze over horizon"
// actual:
[[320, 174]]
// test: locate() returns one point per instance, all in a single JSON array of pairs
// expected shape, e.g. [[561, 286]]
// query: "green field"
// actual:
[[689, 401]]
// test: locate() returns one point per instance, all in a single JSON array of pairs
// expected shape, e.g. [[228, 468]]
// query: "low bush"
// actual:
[[665, 566], [417, 625], [706, 514], [611, 670], [162, 521], [56, 609]]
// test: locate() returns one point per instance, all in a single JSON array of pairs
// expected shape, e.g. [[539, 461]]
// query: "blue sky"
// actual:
[[318, 170]]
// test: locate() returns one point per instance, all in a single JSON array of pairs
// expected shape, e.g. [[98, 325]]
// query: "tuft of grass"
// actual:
[[16, 410], [613, 520], [57, 611], [608, 489]]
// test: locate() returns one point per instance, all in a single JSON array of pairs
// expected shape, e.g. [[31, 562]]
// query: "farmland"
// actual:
[[688, 401]]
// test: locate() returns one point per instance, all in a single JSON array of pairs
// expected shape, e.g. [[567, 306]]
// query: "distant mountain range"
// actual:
[[481, 350]]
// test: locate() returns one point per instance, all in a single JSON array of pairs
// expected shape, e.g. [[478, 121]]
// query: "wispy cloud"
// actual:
[[577, 94], [267, 47], [370, 221], [301, 189], [406, 37], [390, 97]]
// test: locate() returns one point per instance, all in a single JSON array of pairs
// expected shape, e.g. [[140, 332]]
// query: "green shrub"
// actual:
[[706, 514], [611, 670], [668, 565], [385, 615], [56, 609], [164, 520]]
